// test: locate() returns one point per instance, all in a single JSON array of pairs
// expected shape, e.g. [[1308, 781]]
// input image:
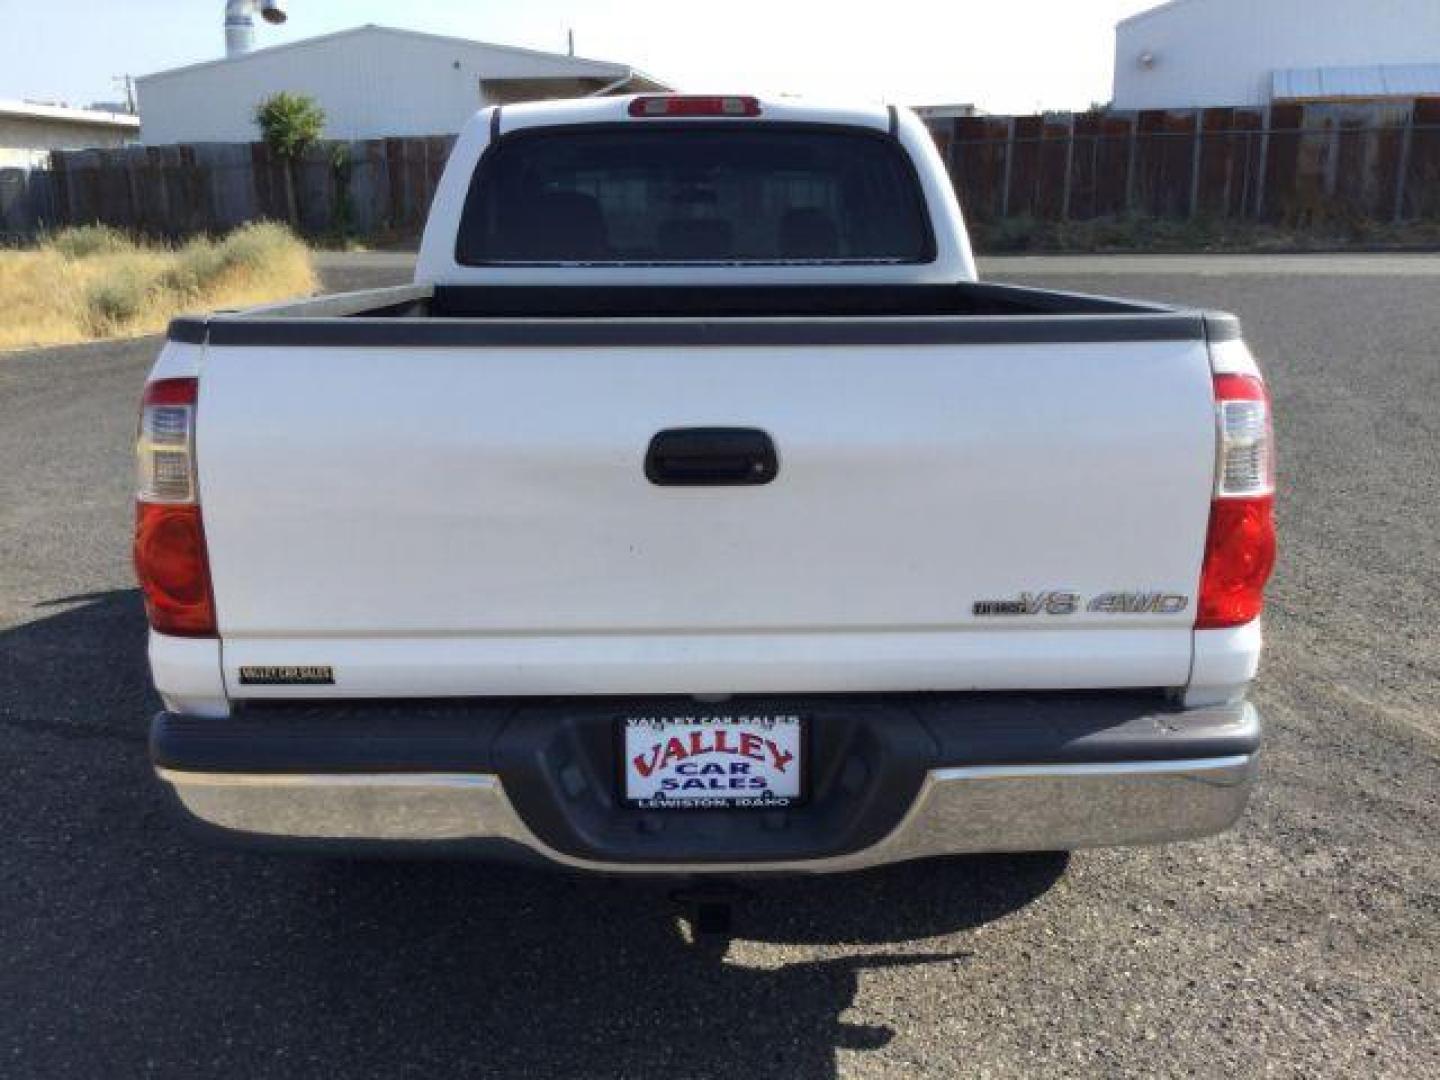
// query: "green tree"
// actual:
[[290, 124]]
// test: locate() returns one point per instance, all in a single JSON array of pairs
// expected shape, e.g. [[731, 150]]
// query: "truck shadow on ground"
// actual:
[[133, 949]]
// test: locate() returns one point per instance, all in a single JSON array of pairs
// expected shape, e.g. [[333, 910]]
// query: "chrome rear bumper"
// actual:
[[958, 810]]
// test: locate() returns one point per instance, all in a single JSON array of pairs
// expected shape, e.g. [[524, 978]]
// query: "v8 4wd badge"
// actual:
[[1062, 602]]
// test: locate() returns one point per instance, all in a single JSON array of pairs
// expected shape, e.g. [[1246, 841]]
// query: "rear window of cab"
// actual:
[[694, 194]]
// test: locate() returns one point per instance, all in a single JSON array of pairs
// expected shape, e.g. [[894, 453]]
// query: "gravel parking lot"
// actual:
[[1306, 943]]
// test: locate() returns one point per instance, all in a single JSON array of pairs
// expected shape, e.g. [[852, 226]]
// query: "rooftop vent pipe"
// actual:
[[240, 22]]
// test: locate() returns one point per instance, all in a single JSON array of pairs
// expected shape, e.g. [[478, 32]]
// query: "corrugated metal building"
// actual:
[[1201, 53], [373, 82], [1374, 82], [29, 131]]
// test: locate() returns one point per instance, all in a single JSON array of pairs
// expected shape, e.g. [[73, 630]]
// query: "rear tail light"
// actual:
[[1240, 545], [170, 557], [1246, 442], [690, 105]]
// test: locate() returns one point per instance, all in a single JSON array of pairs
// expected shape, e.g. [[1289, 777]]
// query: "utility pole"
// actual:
[[129, 84], [571, 34]]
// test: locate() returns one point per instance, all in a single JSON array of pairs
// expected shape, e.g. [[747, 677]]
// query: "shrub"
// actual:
[[255, 245], [290, 123], [48, 296], [86, 240], [1019, 233], [193, 268], [115, 300]]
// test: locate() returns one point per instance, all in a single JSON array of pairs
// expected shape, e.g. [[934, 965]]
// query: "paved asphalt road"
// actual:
[[1303, 944]]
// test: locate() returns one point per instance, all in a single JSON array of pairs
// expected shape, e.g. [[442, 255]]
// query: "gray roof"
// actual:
[[580, 65], [1366, 81], [1148, 12], [66, 114]]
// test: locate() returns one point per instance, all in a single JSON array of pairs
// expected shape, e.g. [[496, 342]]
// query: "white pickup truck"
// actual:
[[697, 510]]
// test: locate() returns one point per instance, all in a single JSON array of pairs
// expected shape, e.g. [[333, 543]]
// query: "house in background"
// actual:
[[373, 82], [29, 131], [1208, 53]]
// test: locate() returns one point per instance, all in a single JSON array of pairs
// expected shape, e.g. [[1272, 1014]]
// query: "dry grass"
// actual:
[[94, 282]]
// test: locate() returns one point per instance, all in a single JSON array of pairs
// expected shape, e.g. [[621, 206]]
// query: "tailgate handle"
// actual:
[[711, 457]]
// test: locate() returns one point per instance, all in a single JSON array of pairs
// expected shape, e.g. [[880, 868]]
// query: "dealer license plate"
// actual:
[[713, 762]]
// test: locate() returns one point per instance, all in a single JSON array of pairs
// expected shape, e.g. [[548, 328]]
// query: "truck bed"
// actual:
[[962, 313], [477, 455]]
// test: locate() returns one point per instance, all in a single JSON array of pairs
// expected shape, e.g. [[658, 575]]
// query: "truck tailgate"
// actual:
[[476, 519]]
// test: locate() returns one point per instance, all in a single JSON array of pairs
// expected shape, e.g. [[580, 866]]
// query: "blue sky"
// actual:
[[1005, 55]]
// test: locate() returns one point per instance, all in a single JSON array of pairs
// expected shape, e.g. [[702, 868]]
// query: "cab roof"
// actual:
[[608, 110]]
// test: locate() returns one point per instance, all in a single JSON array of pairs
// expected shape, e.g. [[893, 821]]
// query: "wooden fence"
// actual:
[[371, 187], [27, 203], [1292, 163], [1298, 164]]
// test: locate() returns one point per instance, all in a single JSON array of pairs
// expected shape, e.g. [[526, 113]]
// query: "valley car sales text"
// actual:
[[691, 758]]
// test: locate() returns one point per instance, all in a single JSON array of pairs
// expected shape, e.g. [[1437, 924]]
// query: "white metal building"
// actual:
[[1199, 53], [28, 132], [373, 82]]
